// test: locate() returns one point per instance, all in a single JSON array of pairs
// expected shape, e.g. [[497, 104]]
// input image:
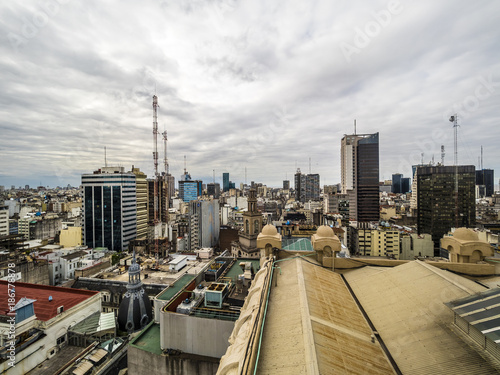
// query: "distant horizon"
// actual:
[[205, 180]]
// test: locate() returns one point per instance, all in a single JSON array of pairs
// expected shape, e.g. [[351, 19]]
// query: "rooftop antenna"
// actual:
[[309, 165], [454, 120], [354, 126], [442, 154], [245, 175], [213, 170], [482, 166], [185, 169], [165, 160], [105, 160], [422, 158]]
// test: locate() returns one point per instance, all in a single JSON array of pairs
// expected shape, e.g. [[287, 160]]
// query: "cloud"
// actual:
[[242, 84]]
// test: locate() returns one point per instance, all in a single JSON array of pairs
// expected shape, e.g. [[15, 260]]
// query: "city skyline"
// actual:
[[243, 85]]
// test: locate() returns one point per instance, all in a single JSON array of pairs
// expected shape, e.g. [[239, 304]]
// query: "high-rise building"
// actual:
[[396, 183], [225, 182], [439, 208], [204, 223], [190, 190], [405, 185], [4, 220], [109, 208], [486, 177], [170, 188], [213, 189], [400, 184], [312, 187], [141, 191], [162, 201], [307, 187], [286, 184], [300, 184], [360, 175]]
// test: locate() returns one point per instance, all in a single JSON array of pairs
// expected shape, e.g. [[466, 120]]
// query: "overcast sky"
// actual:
[[264, 85]]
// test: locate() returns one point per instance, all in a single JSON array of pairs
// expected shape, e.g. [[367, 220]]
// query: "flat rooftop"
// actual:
[[177, 286], [149, 339]]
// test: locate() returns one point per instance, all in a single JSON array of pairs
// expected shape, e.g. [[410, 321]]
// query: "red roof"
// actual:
[[44, 309]]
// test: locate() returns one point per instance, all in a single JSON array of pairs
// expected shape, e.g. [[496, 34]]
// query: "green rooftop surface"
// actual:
[[236, 270], [178, 285], [297, 243], [148, 339]]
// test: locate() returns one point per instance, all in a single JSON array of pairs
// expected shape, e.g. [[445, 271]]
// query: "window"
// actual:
[[61, 340]]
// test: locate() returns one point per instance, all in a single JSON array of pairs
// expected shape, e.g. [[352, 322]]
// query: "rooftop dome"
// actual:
[[135, 310], [465, 234], [325, 231], [269, 230]]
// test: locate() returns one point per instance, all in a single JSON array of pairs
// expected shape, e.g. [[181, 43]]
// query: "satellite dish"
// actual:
[[452, 118]]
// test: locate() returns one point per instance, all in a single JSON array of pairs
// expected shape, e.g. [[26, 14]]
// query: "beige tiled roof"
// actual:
[[406, 306], [313, 326]]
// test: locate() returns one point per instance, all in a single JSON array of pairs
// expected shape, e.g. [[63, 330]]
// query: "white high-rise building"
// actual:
[[109, 208], [4, 220]]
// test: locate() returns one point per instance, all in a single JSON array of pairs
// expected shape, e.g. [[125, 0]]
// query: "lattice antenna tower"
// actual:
[[155, 182]]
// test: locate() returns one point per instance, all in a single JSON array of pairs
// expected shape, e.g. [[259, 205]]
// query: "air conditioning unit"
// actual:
[[60, 309]]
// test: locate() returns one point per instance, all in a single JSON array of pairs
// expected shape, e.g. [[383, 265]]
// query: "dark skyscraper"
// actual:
[[360, 175], [437, 201], [225, 182], [405, 185], [486, 177], [397, 183], [286, 184]]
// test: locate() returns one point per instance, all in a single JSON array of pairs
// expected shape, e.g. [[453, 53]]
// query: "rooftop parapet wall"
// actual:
[[479, 269]]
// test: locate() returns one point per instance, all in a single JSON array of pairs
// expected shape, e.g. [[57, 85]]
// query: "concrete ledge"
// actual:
[[473, 269]]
